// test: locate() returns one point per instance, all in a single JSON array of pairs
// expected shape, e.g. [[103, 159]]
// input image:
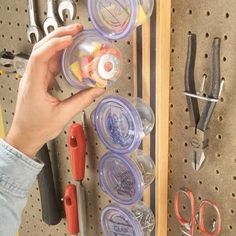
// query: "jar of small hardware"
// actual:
[[135, 220], [117, 19], [121, 124], [124, 177], [91, 61]]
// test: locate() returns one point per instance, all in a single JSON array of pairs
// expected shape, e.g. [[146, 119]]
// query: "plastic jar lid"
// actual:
[[116, 19], [120, 178], [117, 220], [91, 61], [118, 124]]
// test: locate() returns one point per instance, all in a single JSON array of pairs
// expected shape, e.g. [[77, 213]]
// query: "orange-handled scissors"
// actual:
[[188, 226]]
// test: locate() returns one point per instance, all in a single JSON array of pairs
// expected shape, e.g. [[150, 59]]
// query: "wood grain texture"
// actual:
[[162, 103]]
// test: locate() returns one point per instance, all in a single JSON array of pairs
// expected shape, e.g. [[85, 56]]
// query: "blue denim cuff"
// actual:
[[17, 171]]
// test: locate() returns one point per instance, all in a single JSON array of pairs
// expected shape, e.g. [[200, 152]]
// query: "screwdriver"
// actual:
[[77, 150]]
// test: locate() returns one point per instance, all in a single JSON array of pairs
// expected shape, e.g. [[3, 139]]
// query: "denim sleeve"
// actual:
[[17, 174]]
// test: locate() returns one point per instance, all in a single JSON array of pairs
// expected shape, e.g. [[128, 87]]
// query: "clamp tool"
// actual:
[[50, 22], [67, 5], [188, 226], [13, 64], [199, 139], [77, 150]]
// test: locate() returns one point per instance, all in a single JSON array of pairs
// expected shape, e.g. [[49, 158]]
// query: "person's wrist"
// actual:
[[22, 142]]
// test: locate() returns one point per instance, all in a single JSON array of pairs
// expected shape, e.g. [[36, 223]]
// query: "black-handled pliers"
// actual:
[[199, 123]]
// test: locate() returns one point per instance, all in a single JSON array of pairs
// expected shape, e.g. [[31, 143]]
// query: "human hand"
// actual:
[[40, 117]]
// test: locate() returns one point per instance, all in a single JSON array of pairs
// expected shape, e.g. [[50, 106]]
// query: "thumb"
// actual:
[[78, 102]]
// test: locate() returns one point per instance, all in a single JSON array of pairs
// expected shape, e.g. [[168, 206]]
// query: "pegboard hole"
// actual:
[[206, 55], [234, 178], [216, 188], [200, 182], [185, 177], [231, 211], [224, 59], [190, 12], [217, 172], [218, 136], [173, 10], [227, 15], [230, 227], [220, 118], [208, 13], [218, 155], [225, 37], [207, 35], [233, 194]]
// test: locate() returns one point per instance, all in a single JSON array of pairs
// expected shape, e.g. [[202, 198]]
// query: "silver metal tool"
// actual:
[[199, 137], [34, 33], [13, 64], [50, 22], [67, 6], [81, 194]]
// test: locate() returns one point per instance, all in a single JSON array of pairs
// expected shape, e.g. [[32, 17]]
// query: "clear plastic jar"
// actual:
[[124, 177], [137, 220], [116, 19], [91, 61], [121, 124]]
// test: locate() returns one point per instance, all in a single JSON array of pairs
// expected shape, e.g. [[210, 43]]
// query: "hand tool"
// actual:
[[51, 210], [34, 33], [50, 22], [67, 6], [70, 205], [11, 64], [188, 226], [199, 139], [77, 150]]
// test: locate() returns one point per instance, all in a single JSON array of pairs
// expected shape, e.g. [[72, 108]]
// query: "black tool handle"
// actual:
[[215, 86], [189, 80], [51, 212]]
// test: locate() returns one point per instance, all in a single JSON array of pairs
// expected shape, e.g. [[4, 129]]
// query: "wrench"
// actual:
[[67, 5], [50, 22], [34, 33]]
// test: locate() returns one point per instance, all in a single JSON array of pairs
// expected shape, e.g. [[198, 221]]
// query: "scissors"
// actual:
[[188, 226]]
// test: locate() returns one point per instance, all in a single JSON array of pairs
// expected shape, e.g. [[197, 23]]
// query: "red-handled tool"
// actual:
[[70, 205], [77, 150]]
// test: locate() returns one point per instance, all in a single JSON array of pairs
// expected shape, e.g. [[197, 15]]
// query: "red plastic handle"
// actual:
[[70, 205], [77, 150], [204, 231], [191, 222]]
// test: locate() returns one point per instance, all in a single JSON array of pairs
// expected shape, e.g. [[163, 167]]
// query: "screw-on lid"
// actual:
[[118, 124], [120, 178], [118, 221], [114, 19]]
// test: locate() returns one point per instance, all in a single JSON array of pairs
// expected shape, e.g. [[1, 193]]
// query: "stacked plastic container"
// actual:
[[124, 171], [121, 124]]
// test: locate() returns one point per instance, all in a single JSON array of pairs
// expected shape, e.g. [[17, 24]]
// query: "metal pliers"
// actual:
[[199, 138], [13, 64]]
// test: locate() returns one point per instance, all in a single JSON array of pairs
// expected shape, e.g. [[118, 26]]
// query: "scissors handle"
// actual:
[[202, 228], [189, 225]]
